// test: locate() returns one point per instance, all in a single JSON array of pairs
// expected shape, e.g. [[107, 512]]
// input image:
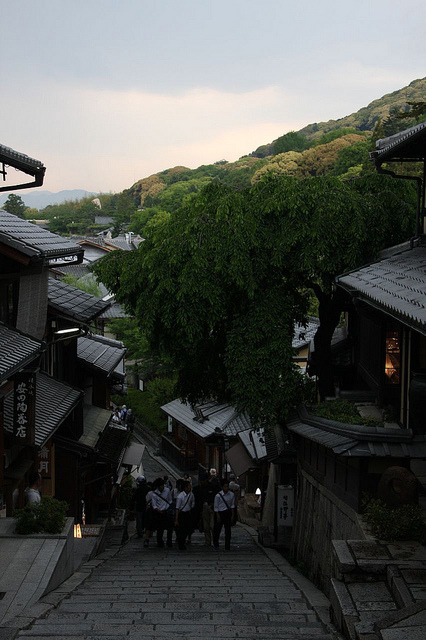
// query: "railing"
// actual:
[[179, 457]]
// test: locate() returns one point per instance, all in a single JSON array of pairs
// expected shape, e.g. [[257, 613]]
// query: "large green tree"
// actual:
[[219, 285], [14, 204]]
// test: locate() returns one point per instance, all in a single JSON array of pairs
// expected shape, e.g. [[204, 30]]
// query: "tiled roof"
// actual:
[[9, 156], [406, 144], [396, 285], [357, 440], [119, 242], [113, 443], [24, 163], [216, 416], [114, 311], [100, 353], [254, 442], [54, 402], [76, 270], [241, 422], [16, 351], [95, 420], [33, 241], [73, 302], [104, 220]]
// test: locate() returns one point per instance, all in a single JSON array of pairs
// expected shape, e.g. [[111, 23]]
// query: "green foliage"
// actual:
[[127, 330], [398, 523], [146, 404], [172, 197], [47, 516], [87, 284], [334, 135], [218, 288], [291, 141], [350, 157], [71, 217], [141, 219], [343, 411], [161, 390], [14, 204], [123, 211], [417, 111]]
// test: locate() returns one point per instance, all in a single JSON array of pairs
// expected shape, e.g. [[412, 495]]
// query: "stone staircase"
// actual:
[[378, 591]]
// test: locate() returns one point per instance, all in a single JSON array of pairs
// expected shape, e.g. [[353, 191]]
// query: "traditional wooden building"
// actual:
[[54, 401], [199, 437], [29, 415], [386, 325]]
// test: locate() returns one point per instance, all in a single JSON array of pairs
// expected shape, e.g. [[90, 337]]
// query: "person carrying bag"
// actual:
[[224, 514], [185, 503]]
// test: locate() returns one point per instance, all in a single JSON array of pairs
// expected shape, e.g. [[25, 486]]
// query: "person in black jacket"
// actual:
[[139, 501]]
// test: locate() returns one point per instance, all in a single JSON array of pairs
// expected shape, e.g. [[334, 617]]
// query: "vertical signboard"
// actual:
[[285, 505], [24, 396], [45, 465]]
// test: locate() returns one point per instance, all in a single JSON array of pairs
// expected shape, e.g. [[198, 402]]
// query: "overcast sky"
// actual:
[[105, 92]]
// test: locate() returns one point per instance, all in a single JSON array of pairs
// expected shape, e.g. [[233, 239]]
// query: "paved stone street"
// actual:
[[201, 593]]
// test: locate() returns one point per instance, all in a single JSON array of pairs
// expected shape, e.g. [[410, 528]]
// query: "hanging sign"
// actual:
[[24, 396], [285, 505]]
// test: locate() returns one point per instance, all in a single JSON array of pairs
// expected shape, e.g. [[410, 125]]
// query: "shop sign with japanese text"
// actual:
[[24, 396]]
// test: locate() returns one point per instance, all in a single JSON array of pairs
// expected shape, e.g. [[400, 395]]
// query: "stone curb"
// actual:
[[52, 599], [316, 598]]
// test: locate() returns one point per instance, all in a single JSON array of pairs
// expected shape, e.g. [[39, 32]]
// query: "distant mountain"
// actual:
[[42, 198]]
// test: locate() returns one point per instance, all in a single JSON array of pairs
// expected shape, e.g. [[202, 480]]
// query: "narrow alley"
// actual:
[[200, 593]]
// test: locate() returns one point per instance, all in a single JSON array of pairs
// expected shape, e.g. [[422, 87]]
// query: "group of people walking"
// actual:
[[209, 507]]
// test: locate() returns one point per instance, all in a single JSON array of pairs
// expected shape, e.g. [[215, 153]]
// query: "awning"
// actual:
[[239, 459], [133, 454], [95, 420]]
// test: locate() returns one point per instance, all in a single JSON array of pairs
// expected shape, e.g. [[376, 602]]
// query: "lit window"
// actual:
[[393, 357]]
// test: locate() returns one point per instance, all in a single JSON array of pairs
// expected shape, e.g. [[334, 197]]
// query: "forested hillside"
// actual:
[[337, 147]]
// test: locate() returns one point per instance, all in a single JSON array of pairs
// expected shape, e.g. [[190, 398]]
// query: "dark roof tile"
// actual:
[[33, 241], [100, 353], [397, 285], [16, 351], [73, 302]]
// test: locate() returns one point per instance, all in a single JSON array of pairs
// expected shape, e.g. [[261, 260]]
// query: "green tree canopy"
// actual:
[[218, 286], [291, 141], [14, 204]]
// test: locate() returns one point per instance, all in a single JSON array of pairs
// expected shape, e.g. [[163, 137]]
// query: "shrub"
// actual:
[[398, 523], [343, 411], [47, 516]]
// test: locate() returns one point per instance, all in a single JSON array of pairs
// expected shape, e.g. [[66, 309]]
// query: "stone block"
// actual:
[[366, 549], [369, 592], [407, 551], [404, 633], [343, 556]]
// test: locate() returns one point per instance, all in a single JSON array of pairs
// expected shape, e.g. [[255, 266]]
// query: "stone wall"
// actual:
[[320, 518]]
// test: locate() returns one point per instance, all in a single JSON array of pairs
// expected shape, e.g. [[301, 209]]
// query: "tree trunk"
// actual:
[[330, 308]]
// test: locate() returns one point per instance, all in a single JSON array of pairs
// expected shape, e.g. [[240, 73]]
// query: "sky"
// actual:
[[105, 92]]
